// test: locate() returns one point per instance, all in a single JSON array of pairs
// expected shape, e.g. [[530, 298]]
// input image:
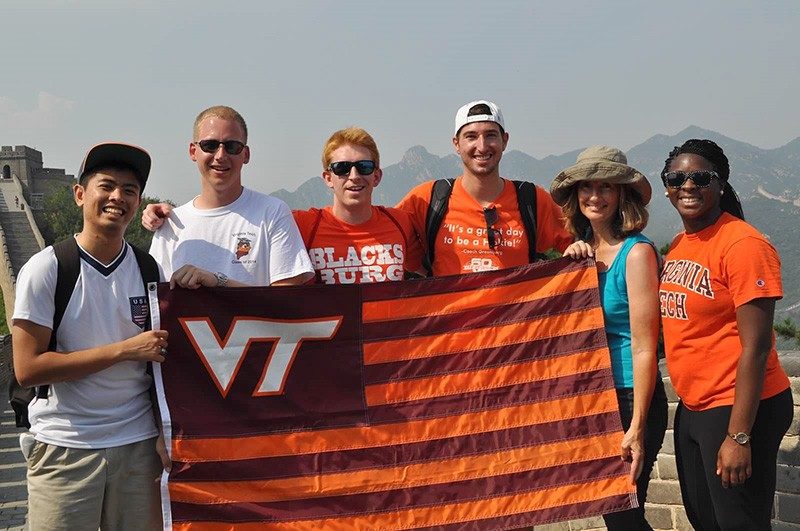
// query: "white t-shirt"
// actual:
[[253, 240], [108, 408]]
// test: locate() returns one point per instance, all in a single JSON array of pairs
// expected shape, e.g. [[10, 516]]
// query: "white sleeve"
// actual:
[[36, 288], [287, 252], [161, 248]]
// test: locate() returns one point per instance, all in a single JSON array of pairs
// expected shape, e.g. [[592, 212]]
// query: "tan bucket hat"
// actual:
[[600, 163]]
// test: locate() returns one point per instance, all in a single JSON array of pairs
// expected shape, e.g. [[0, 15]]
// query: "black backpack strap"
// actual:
[[440, 198], [526, 201], [148, 267], [314, 228], [69, 267], [389, 215]]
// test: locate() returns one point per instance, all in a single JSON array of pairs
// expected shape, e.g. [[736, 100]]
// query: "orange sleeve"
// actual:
[[305, 220], [753, 269], [550, 231], [415, 204], [414, 252]]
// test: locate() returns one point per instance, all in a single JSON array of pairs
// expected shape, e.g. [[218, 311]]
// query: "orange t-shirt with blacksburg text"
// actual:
[[462, 243], [707, 275], [379, 250]]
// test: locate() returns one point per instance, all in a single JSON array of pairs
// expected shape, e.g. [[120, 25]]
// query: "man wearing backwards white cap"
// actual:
[[93, 463], [483, 227]]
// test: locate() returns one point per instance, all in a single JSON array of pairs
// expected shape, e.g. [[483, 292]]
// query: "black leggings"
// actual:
[[698, 437], [656, 425]]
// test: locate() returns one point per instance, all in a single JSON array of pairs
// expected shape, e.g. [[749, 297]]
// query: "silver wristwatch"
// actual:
[[222, 279], [740, 437]]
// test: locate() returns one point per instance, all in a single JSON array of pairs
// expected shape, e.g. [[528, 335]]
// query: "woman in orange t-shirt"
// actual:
[[717, 295]]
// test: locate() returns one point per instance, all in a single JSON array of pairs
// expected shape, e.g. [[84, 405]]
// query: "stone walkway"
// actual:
[[13, 494]]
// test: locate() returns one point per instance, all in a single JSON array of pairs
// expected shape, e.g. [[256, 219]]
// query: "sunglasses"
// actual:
[[701, 179], [495, 236], [342, 168], [232, 147]]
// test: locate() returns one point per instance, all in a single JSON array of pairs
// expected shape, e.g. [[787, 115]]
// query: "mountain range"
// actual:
[[767, 181]]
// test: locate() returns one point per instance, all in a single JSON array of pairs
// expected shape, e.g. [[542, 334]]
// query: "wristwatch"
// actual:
[[740, 437], [222, 279]]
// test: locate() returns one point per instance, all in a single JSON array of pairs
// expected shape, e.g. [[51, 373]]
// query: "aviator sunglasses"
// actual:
[[701, 179], [232, 147], [342, 168], [495, 236]]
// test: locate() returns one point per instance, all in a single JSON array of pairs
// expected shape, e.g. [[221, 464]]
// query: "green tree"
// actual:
[[788, 330], [62, 218]]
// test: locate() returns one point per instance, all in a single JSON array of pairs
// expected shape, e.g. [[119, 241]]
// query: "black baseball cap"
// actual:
[[111, 153]]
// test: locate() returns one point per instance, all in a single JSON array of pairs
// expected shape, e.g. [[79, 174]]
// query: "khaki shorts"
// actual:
[[111, 488]]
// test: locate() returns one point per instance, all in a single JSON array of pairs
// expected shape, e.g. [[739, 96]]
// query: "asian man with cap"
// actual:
[[92, 446], [483, 225]]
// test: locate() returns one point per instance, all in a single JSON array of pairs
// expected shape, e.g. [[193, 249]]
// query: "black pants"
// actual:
[[698, 437], [656, 425]]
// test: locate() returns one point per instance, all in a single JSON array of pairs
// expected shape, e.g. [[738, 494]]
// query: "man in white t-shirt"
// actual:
[[228, 235], [92, 449]]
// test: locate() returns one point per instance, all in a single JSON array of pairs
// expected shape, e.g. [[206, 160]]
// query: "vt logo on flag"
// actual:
[[480, 401]]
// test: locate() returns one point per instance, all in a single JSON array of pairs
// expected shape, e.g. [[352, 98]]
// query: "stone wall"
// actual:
[[664, 508]]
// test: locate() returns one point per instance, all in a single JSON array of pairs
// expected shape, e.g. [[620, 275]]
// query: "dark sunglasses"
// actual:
[[495, 236], [342, 168], [701, 179], [232, 147]]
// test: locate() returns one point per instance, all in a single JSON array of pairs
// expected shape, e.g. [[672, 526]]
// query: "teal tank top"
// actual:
[[614, 298]]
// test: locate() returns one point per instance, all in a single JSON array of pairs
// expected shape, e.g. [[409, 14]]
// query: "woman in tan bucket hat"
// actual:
[[603, 200]]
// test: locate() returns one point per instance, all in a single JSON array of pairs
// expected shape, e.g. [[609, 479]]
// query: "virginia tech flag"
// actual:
[[482, 401]]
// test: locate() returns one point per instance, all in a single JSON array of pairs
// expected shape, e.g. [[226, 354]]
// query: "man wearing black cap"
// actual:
[[91, 449]]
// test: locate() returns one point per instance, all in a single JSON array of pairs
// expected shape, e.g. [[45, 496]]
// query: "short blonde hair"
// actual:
[[631, 216], [223, 112], [354, 136]]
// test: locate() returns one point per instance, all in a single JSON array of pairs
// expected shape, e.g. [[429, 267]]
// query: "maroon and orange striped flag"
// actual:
[[482, 401]]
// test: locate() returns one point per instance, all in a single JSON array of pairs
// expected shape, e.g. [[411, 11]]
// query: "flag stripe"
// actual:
[[557, 497], [440, 474], [486, 297], [483, 383], [234, 448], [495, 313], [479, 338], [404, 291], [368, 458], [546, 348], [421, 496], [490, 399], [573, 511]]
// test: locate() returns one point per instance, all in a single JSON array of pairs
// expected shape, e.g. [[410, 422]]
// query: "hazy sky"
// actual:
[[566, 74]]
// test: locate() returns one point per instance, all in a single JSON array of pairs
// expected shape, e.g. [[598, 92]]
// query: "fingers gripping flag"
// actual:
[[482, 401]]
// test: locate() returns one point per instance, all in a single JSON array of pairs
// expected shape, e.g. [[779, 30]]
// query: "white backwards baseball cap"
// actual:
[[494, 115]]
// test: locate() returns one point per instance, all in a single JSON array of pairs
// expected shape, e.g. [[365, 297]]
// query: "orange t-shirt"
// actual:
[[376, 251], [707, 275], [462, 244]]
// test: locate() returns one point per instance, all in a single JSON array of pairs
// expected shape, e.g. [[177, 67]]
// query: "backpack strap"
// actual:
[[437, 207], [388, 214], [147, 266], [526, 201], [69, 266], [314, 228]]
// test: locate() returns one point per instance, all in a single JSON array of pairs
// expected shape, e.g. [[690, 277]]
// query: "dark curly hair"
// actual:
[[709, 150]]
